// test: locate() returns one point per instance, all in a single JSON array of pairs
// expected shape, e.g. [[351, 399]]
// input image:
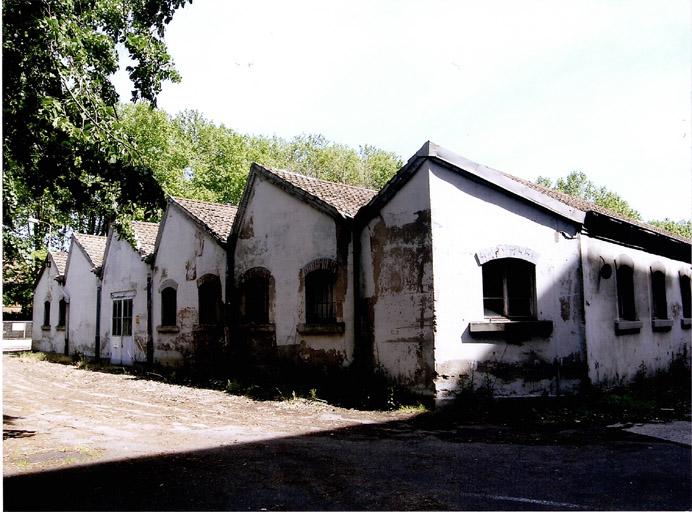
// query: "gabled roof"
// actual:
[[93, 246], [60, 260], [216, 218], [346, 199], [592, 219], [145, 236]]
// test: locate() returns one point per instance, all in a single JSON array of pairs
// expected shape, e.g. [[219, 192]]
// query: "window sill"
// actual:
[[45, 327], [59, 327], [253, 327], [335, 328], [167, 329], [686, 323], [628, 326], [661, 324], [511, 328]]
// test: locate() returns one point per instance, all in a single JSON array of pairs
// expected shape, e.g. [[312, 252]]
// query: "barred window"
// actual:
[[319, 297], [169, 305], [509, 288], [122, 317]]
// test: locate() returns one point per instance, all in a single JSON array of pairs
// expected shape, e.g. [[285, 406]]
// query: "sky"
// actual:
[[532, 88]]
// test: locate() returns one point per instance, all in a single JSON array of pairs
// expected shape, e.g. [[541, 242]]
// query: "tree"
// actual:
[[577, 184], [65, 162]]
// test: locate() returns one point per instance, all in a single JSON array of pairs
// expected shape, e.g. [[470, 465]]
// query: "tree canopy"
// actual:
[[578, 184]]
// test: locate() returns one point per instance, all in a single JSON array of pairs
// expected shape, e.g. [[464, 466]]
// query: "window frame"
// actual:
[[501, 268], [62, 313], [320, 303], [626, 299], [209, 302], [121, 317], [169, 306], [686, 300], [46, 314], [255, 296], [659, 299]]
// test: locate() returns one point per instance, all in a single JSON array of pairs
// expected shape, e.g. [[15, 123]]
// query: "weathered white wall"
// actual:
[[185, 253], [467, 218], [397, 286], [81, 286], [124, 271], [47, 289], [283, 234], [616, 358]]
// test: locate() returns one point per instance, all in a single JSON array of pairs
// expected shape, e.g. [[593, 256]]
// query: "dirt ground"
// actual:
[[83, 440], [56, 415]]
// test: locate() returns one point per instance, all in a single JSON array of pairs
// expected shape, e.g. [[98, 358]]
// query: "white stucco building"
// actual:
[[291, 252], [82, 283], [189, 281], [471, 277], [126, 295], [50, 309]]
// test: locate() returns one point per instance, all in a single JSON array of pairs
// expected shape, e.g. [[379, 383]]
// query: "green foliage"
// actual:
[[578, 184], [65, 162], [682, 228], [191, 156]]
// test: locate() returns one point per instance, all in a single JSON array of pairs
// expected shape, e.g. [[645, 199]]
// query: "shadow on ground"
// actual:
[[429, 462]]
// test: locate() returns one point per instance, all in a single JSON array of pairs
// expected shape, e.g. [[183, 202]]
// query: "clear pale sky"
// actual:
[[531, 88]]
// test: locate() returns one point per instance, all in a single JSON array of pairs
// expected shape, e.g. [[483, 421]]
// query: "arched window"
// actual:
[[209, 295], [46, 313], [658, 295], [686, 294], [169, 305], [62, 312], [255, 288], [509, 288], [319, 297], [625, 288]]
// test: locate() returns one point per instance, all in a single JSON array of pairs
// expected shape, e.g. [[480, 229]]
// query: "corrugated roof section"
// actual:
[[347, 199], [93, 245], [217, 217], [145, 234]]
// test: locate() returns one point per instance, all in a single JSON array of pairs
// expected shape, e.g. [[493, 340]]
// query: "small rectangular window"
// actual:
[[625, 289], [686, 295], [46, 314], [658, 292], [62, 312], [319, 297], [509, 288], [168, 306]]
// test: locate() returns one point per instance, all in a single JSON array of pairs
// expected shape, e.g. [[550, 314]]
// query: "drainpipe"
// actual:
[[97, 336], [67, 327], [150, 337]]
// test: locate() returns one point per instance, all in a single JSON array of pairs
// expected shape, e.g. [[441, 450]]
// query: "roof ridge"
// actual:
[[177, 199], [340, 183]]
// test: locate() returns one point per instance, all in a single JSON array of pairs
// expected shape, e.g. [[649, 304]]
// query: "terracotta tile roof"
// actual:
[[587, 206], [93, 245], [217, 217], [60, 259], [145, 234], [347, 199]]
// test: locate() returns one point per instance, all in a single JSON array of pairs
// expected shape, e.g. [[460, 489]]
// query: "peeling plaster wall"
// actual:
[[397, 286], [284, 234], [47, 289], [616, 358], [186, 252], [81, 284], [124, 271], [469, 218]]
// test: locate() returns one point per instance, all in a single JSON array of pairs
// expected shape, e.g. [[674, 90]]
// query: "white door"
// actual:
[[121, 332]]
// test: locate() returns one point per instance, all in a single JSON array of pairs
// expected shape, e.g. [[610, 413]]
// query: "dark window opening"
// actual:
[[625, 286], [46, 314], [658, 291], [256, 300], [169, 306], [209, 294], [319, 297], [686, 293], [62, 312], [122, 317], [509, 288]]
